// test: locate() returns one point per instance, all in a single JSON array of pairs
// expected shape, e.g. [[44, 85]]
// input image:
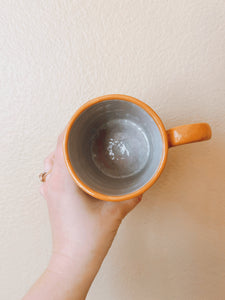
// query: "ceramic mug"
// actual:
[[115, 146]]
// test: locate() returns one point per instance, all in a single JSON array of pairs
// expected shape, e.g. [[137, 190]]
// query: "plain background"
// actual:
[[56, 55]]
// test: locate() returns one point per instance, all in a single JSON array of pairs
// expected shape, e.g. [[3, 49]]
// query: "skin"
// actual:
[[83, 229]]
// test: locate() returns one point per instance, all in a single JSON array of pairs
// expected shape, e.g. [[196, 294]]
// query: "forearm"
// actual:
[[66, 278], [70, 274]]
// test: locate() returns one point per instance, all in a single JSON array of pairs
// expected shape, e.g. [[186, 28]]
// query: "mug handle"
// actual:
[[189, 133]]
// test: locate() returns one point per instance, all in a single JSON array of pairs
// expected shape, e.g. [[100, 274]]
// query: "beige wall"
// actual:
[[55, 55]]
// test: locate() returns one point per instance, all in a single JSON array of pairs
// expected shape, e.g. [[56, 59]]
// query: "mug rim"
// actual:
[[161, 165]]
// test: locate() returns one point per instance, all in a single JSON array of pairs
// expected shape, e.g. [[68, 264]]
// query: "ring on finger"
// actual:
[[43, 175]]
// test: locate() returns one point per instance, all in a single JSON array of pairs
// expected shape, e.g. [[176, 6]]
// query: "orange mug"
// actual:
[[115, 146]]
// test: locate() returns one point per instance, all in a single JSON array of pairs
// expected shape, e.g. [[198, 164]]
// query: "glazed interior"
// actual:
[[115, 147]]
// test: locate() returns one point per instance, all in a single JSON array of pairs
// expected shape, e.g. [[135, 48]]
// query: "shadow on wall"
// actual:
[[174, 240]]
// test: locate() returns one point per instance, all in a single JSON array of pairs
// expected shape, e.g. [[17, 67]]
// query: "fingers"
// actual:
[[59, 151], [53, 160], [42, 189], [48, 167], [124, 207], [60, 138], [49, 162]]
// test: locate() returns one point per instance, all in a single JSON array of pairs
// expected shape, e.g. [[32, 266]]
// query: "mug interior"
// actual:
[[115, 147]]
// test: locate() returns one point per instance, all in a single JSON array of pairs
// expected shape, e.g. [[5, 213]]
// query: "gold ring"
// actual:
[[43, 176]]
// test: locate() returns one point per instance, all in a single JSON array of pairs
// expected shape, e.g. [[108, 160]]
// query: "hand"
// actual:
[[80, 223], [83, 229]]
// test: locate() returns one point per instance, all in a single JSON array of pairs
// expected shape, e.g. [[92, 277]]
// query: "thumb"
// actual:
[[128, 205]]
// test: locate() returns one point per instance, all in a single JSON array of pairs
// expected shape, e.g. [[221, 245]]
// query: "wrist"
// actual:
[[72, 270], [76, 259], [87, 249]]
